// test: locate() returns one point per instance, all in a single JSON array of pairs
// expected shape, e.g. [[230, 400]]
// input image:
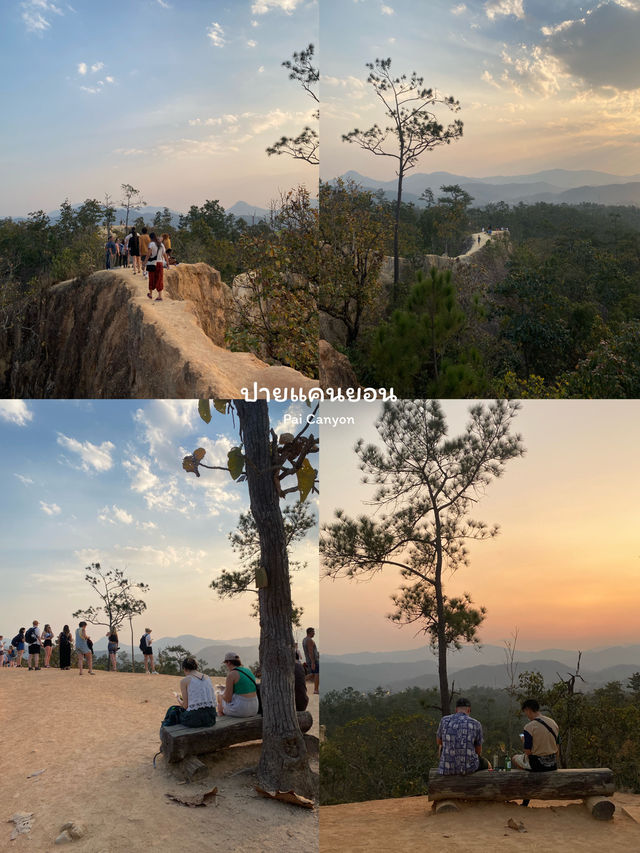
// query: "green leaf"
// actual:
[[204, 410], [236, 462], [306, 478], [221, 406]]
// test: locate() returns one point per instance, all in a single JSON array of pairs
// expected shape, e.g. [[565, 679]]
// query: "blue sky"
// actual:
[[102, 481], [178, 97], [542, 83]]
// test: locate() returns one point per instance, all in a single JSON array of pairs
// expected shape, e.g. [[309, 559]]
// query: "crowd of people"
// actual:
[[148, 253], [199, 703], [34, 646], [459, 739]]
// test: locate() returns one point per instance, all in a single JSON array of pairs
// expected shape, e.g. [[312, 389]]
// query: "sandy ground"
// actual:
[[95, 738], [409, 825]]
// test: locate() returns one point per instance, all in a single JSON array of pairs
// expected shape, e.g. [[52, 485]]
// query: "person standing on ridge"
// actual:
[[312, 657]]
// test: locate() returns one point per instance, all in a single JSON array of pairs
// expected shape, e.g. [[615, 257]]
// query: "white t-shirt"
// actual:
[[37, 630], [147, 640], [156, 254]]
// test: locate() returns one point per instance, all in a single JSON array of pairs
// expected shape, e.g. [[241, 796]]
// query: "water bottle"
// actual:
[[507, 763]]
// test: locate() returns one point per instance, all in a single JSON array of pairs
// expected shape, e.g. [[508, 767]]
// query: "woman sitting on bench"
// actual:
[[196, 706], [239, 698]]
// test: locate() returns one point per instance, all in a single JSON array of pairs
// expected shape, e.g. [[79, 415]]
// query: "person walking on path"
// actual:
[[32, 637], [134, 251], [64, 642], [125, 257], [155, 267], [145, 239], [312, 658], [47, 644], [110, 250], [82, 647]]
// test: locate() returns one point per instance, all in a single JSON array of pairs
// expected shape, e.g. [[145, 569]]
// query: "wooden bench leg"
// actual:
[[190, 769], [602, 808], [446, 806]]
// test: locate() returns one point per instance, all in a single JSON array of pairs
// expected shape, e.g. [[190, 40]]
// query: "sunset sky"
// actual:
[[564, 569], [179, 98], [542, 83], [102, 481]]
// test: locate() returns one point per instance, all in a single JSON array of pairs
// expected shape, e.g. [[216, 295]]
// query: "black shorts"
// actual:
[[34, 649], [149, 652], [538, 767]]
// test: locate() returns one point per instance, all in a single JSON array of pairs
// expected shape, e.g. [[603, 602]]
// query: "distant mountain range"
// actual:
[[395, 671], [212, 651], [241, 209], [556, 186]]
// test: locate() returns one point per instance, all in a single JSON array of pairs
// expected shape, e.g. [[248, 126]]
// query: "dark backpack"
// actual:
[[31, 636], [17, 639], [143, 643]]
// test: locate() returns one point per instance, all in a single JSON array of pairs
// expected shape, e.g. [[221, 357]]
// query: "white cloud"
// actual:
[[82, 68], [496, 8], [15, 412], [261, 69], [36, 14], [92, 90], [163, 3], [216, 34], [114, 515], [146, 525], [92, 456], [459, 10], [387, 10], [254, 23], [142, 477], [109, 79], [251, 43], [27, 481], [261, 7], [50, 509], [97, 66]]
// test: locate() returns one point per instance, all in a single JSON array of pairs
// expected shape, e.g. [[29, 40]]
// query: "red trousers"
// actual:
[[156, 277]]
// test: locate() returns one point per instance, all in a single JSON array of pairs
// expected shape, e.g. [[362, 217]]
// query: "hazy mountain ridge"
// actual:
[[396, 671], [556, 186]]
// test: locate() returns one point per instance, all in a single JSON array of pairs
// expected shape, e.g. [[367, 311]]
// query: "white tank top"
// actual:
[[200, 693]]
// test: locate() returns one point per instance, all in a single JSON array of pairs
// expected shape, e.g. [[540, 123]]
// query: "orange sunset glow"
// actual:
[[565, 567]]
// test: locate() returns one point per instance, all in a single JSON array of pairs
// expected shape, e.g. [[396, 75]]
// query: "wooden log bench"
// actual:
[[181, 745], [591, 785]]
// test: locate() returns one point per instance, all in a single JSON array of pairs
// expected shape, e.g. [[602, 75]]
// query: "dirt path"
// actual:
[[95, 738], [409, 825]]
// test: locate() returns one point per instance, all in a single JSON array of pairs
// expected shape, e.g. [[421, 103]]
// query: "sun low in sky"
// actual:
[[564, 568], [542, 84], [179, 98], [102, 481]]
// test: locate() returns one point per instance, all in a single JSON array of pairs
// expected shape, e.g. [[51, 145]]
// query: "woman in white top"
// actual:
[[155, 267], [196, 704]]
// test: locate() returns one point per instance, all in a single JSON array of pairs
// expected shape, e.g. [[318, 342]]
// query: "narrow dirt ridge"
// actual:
[[103, 337]]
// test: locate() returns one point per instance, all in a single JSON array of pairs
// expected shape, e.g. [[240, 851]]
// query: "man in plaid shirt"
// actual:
[[459, 740]]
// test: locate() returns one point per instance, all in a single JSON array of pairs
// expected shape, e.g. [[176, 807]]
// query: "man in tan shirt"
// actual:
[[144, 250], [540, 740]]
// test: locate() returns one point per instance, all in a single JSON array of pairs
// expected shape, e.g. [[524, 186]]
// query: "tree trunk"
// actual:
[[396, 229], [445, 696], [133, 660], [283, 764]]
